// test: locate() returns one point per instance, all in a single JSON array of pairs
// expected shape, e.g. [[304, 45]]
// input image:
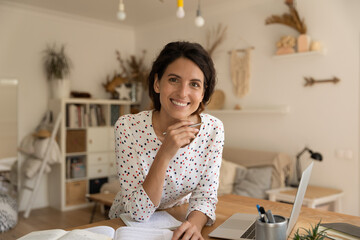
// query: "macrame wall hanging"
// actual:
[[240, 70]]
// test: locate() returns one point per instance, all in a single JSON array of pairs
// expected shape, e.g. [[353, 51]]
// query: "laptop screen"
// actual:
[[305, 178]]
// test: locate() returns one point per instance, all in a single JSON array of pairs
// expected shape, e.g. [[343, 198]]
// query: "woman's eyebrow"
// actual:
[[196, 80], [174, 75]]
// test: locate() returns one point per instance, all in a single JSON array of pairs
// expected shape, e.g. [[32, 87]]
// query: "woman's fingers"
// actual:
[[177, 135], [187, 231], [178, 125], [181, 136]]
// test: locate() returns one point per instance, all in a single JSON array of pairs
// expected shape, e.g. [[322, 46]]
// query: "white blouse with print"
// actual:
[[192, 174]]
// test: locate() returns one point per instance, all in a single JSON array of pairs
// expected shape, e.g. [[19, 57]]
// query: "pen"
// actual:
[[192, 125], [261, 211], [270, 216], [263, 214]]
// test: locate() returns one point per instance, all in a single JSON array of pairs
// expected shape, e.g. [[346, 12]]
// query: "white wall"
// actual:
[[325, 117], [24, 34]]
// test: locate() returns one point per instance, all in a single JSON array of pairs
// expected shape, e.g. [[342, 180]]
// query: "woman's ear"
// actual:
[[156, 84]]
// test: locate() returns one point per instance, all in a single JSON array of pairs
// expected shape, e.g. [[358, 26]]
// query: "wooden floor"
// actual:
[[49, 218]]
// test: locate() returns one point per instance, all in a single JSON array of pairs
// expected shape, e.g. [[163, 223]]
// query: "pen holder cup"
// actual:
[[271, 231]]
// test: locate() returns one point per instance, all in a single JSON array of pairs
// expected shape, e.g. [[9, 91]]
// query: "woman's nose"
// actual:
[[183, 90]]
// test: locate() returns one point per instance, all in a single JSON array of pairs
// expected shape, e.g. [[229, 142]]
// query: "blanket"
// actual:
[[34, 149]]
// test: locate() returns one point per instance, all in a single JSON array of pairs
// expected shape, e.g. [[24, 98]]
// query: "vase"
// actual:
[[139, 92], [303, 43], [60, 88], [136, 92], [133, 92]]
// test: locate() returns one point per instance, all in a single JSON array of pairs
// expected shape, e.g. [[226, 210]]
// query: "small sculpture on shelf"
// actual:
[[111, 85], [237, 107], [217, 100], [285, 45], [294, 21]]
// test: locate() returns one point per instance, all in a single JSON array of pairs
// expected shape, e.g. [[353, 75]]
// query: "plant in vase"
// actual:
[[57, 67], [314, 233], [293, 20], [133, 75], [136, 72]]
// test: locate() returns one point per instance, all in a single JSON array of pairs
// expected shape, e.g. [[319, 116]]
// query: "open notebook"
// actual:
[[101, 233], [158, 227]]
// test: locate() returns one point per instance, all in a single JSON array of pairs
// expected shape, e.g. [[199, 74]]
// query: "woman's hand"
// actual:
[[186, 231], [177, 136]]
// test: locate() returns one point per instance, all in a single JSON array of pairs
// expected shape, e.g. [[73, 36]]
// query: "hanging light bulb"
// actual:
[[199, 20], [121, 15], [180, 13]]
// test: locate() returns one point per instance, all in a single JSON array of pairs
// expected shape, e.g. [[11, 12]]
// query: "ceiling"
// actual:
[[138, 12]]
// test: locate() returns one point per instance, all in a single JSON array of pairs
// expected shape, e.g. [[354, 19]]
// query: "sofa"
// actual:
[[252, 172]]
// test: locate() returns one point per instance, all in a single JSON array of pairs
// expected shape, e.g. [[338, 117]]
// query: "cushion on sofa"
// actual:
[[253, 182], [281, 163], [227, 176]]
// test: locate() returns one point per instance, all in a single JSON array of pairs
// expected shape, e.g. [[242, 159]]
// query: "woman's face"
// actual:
[[181, 89]]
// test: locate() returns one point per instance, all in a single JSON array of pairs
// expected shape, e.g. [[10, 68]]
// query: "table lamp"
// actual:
[[313, 155]]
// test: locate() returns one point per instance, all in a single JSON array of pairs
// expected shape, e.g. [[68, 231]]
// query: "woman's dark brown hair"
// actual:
[[192, 51]]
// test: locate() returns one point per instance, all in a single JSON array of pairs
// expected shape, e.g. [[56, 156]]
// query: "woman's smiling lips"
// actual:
[[178, 103]]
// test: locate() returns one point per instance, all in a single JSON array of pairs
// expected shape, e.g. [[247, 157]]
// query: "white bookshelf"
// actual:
[[69, 181]]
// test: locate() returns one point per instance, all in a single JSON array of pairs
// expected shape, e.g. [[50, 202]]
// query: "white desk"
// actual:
[[314, 196]]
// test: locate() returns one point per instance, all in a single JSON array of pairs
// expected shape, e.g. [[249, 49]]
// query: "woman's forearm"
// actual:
[[154, 181], [198, 218]]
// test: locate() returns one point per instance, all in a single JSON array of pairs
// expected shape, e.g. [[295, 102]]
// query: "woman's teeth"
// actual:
[[179, 103]]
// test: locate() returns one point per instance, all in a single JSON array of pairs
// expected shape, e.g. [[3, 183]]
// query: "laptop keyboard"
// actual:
[[250, 232]]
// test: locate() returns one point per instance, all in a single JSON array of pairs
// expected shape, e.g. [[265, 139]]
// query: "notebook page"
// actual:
[[159, 219], [130, 233], [44, 235], [105, 230], [84, 235]]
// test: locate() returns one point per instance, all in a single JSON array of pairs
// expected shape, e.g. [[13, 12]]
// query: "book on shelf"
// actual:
[[75, 167], [72, 116], [76, 116], [114, 114], [101, 233], [341, 231], [93, 119], [97, 115]]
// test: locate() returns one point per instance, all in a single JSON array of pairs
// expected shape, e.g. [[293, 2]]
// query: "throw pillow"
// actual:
[[253, 182], [8, 212], [227, 177]]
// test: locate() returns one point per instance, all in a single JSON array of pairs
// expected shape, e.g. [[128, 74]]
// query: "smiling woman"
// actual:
[[158, 171]]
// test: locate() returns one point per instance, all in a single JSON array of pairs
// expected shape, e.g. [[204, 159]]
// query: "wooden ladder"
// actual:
[[35, 189]]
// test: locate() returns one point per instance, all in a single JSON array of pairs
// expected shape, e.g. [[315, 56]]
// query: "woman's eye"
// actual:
[[195, 84], [172, 79]]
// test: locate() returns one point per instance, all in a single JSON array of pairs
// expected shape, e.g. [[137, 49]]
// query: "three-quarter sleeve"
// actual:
[[204, 197], [131, 198]]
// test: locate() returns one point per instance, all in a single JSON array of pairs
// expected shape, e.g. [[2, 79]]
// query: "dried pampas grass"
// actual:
[[291, 20], [214, 38]]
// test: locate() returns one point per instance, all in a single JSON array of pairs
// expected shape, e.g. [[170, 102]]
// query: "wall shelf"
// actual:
[[302, 54], [253, 110]]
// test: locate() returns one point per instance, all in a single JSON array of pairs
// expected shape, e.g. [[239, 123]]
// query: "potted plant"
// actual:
[[314, 233], [57, 67], [135, 71]]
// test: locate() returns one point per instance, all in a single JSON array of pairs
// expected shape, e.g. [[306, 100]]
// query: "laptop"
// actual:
[[242, 226]]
